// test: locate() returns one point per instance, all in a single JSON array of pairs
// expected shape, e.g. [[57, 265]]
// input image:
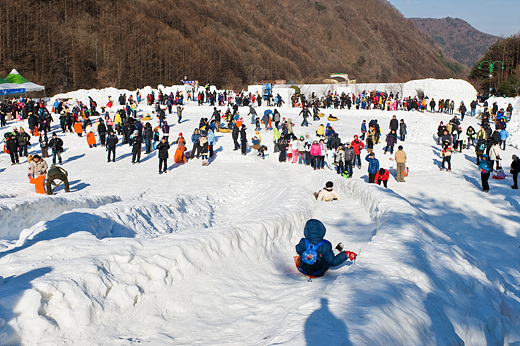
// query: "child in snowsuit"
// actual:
[[314, 232]]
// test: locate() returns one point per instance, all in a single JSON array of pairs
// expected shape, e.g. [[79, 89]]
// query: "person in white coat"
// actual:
[[327, 194], [495, 155]]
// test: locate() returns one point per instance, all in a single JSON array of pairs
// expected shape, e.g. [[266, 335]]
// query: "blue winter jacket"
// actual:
[[503, 135], [485, 166], [373, 165], [314, 232], [195, 138], [211, 137]]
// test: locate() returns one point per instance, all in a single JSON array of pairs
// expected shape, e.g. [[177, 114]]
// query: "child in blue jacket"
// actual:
[[314, 232], [485, 170]]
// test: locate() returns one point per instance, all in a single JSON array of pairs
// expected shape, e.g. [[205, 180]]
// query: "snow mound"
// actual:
[[453, 89]]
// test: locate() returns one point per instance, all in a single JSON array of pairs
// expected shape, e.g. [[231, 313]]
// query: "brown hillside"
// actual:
[[457, 38], [66, 44]]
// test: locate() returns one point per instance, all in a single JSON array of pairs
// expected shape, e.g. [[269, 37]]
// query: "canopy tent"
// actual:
[[10, 88], [17, 79]]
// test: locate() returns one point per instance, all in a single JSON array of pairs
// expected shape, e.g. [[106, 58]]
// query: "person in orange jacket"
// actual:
[[382, 176]]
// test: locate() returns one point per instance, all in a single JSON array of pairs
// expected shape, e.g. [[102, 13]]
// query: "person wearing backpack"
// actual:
[[315, 253]]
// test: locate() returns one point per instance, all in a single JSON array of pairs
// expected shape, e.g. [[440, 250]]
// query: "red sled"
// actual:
[[297, 262]]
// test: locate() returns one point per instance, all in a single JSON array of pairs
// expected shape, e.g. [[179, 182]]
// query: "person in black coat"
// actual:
[[136, 141], [112, 140], [102, 131], [163, 155], [394, 124], [11, 144], [515, 169], [234, 134], [56, 144], [243, 139]]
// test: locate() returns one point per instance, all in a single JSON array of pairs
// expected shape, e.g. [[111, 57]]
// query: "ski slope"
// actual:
[[204, 255]]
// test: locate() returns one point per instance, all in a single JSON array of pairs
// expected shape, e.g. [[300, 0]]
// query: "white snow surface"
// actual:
[[204, 255]]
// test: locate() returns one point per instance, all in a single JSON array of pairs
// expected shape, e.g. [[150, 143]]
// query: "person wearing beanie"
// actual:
[[382, 176], [327, 194], [515, 169]]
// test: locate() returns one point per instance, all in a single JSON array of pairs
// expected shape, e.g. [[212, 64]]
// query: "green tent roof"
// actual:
[[2, 81], [16, 78]]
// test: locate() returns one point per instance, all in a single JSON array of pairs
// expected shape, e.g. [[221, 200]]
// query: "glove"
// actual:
[[339, 247], [351, 255]]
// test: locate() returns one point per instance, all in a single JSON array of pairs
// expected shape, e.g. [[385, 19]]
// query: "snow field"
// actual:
[[204, 255]]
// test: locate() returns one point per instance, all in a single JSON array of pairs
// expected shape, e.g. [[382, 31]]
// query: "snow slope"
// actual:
[[203, 255]]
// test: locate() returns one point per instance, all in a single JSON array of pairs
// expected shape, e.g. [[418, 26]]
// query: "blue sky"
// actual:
[[496, 17]]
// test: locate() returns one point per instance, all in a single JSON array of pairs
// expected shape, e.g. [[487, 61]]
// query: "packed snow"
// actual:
[[204, 255]]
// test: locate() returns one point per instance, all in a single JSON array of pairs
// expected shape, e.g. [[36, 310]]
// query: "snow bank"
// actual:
[[439, 278], [453, 89], [18, 214]]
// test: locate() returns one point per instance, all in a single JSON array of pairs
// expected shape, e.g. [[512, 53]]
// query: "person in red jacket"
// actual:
[[382, 176], [358, 146]]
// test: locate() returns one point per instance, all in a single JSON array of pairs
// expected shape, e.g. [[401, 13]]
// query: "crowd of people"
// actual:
[[324, 148]]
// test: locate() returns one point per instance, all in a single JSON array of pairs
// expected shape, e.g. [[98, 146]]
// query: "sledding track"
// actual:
[[143, 255]]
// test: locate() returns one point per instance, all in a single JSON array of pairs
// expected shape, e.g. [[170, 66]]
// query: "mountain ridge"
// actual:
[[458, 39]]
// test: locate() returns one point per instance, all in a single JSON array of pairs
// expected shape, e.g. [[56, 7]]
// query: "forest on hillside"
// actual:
[[504, 57], [67, 45]]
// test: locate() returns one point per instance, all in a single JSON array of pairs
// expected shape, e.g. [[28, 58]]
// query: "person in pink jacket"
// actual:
[[315, 152]]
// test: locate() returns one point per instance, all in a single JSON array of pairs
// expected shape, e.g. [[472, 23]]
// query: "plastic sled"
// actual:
[[38, 183], [406, 172], [321, 115], [332, 118], [223, 130], [297, 262]]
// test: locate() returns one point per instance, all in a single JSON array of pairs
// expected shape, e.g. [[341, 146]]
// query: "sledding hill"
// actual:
[[70, 45]]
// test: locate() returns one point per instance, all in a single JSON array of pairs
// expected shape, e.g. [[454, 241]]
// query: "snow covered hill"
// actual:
[[204, 255]]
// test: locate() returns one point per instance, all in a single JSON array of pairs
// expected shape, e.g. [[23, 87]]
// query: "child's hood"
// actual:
[[314, 231]]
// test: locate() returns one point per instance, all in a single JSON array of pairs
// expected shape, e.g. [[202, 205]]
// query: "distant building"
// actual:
[[341, 78]]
